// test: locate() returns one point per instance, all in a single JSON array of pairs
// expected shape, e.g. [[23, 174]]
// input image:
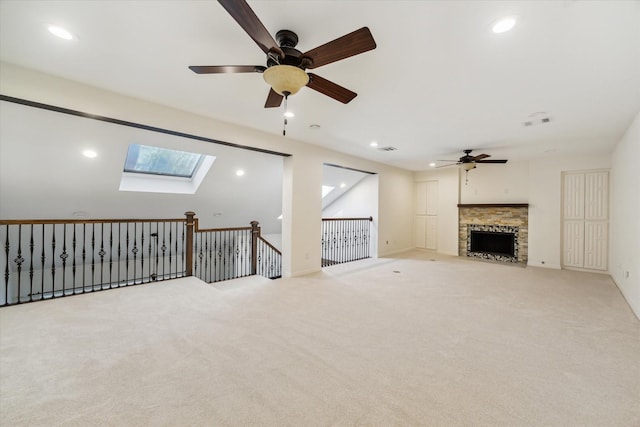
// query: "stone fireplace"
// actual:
[[496, 232]]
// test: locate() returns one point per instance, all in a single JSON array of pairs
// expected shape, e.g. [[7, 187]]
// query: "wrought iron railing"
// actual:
[[222, 254], [45, 259], [268, 260], [345, 240]]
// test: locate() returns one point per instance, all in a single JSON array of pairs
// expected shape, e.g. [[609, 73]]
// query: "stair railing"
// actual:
[[52, 258], [345, 240]]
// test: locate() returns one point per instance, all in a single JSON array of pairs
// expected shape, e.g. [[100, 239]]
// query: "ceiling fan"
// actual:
[[469, 162], [285, 66]]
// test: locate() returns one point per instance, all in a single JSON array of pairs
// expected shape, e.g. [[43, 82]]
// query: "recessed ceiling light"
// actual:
[[90, 154], [433, 165], [60, 32], [289, 114], [504, 25], [343, 185], [373, 144], [240, 172]]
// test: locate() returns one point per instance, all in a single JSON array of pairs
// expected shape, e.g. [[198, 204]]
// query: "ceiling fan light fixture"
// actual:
[[285, 79], [468, 166]]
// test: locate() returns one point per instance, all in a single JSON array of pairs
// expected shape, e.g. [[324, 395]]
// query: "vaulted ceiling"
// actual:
[[438, 82]]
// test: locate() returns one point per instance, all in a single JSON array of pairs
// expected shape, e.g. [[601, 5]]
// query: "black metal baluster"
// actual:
[[42, 260], [197, 249], [134, 251], [7, 246], [31, 246], [354, 239], [156, 237], [206, 258], [119, 253], [210, 237], [19, 260], [53, 261], [359, 237], [149, 259], [126, 265], [246, 241], [84, 257], [111, 255], [184, 251], [164, 248], [73, 261], [93, 256], [142, 252], [63, 257], [216, 257], [102, 253], [170, 246]]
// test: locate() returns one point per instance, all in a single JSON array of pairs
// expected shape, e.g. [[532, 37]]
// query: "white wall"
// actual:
[[495, 183], [545, 198], [624, 252], [359, 202], [302, 175], [448, 188]]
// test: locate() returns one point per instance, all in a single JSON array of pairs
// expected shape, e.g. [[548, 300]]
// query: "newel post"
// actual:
[[189, 242], [255, 233]]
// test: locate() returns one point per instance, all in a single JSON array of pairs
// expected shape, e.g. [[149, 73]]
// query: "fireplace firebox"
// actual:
[[493, 242]]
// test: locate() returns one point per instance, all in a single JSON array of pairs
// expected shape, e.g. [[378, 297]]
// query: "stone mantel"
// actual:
[[493, 205]]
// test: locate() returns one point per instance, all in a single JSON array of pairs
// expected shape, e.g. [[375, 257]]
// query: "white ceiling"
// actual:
[[438, 82]]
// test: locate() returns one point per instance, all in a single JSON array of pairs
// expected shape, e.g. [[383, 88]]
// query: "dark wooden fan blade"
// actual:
[[274, 99], [246, 17], [491, 161], [216, 69], [359, 41], [330, 89], [480, 156], [444, 166]]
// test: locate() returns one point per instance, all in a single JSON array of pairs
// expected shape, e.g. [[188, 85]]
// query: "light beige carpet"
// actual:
[[387, 342]]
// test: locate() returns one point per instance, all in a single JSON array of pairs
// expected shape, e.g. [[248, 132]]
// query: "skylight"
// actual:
[[161, 161], [326, 189], [161, 170]]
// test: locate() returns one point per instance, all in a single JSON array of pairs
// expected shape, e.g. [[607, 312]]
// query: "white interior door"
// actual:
[[585, 219], [426, 222]]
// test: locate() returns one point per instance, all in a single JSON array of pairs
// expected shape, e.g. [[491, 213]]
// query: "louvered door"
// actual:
[[585, 219]]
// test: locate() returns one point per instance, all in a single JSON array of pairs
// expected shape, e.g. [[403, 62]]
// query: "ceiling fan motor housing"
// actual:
[[288, 40]]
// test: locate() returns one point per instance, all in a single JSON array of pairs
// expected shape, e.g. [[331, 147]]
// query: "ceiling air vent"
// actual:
[[389, 148]]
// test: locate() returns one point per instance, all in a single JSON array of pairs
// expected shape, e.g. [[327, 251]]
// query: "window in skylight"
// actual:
[[326, 189], [161, 161], [161, 170]]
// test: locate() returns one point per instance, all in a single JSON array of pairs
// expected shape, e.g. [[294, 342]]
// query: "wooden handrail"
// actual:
[[82, 221], [348, 219], [206, 230], [270, 245]]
